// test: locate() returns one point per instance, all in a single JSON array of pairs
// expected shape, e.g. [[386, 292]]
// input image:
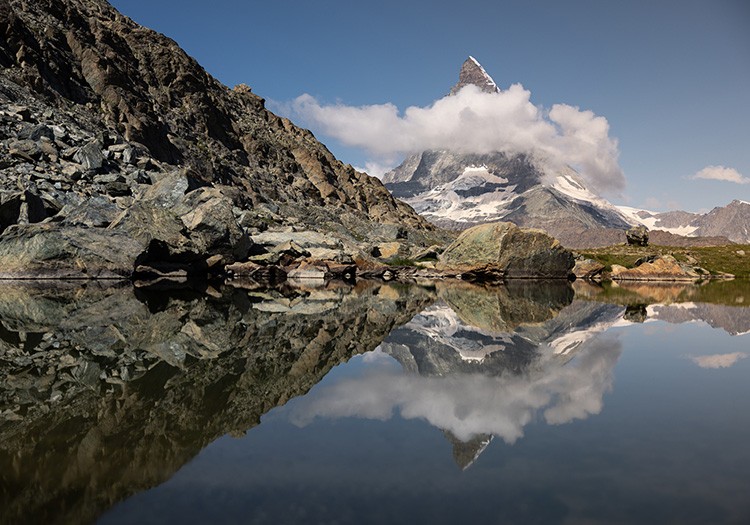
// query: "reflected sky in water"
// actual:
[[587, 413]]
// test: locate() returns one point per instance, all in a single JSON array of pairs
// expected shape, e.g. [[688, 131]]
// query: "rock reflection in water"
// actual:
[[104, 394], [485, 362], [720, 304]]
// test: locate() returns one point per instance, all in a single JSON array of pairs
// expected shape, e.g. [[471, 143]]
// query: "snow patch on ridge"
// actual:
[[441, 324], [650, 220], [568, 183], [490, 80], [444, 202], [568, 342]]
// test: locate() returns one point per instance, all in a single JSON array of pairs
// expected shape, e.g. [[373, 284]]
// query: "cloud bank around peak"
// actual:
[[721, 173], [472, 121]]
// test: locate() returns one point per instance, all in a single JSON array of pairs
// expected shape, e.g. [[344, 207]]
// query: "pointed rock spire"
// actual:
[[472, 72]]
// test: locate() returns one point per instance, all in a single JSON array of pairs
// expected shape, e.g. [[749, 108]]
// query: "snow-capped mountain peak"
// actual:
[[457, 190]]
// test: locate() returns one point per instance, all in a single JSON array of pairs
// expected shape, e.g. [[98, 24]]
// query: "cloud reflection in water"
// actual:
[[469, 404]]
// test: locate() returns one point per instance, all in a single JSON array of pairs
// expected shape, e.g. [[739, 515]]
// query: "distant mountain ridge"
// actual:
[[457, 190], [731, 221]]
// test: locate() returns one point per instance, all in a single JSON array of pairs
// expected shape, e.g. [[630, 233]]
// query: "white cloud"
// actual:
[[376, 169], [474, 122], [718, 360], [721, 173]]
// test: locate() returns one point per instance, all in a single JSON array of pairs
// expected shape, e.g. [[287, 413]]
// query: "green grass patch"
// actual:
[[715, 259]]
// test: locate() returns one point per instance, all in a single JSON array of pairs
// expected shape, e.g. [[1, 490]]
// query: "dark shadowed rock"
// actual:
[[90, 156], [23, 207]]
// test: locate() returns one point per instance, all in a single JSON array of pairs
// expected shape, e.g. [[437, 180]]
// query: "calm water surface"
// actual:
[[529, 403]]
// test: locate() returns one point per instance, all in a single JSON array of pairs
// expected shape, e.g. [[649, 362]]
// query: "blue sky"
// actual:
[[672, 78]]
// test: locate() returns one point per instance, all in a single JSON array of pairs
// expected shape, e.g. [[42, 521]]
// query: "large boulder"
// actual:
[[637, 236], [502, 250]]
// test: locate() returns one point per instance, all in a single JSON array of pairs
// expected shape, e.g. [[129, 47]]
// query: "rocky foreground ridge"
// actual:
[[118, 150]]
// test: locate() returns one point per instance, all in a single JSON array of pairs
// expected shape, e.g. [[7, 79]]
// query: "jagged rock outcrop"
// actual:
[[502, 250], [164, 228], [94, 107], [720, 225]]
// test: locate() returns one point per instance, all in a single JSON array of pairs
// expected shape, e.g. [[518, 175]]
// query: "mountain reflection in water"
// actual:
[[105, 392], [485, 362]]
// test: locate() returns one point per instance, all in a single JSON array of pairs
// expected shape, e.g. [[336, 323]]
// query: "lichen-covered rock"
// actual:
[[588, 269], [502, 250], [660, 268]]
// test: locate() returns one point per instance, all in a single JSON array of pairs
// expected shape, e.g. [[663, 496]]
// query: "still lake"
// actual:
[[441, 403]]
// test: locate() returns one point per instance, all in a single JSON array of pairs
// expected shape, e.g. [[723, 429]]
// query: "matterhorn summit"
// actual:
[[472, 73]]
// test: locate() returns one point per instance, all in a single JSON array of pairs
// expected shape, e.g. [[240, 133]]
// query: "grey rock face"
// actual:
[[90, 156], [731, 221], [472, 73]]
